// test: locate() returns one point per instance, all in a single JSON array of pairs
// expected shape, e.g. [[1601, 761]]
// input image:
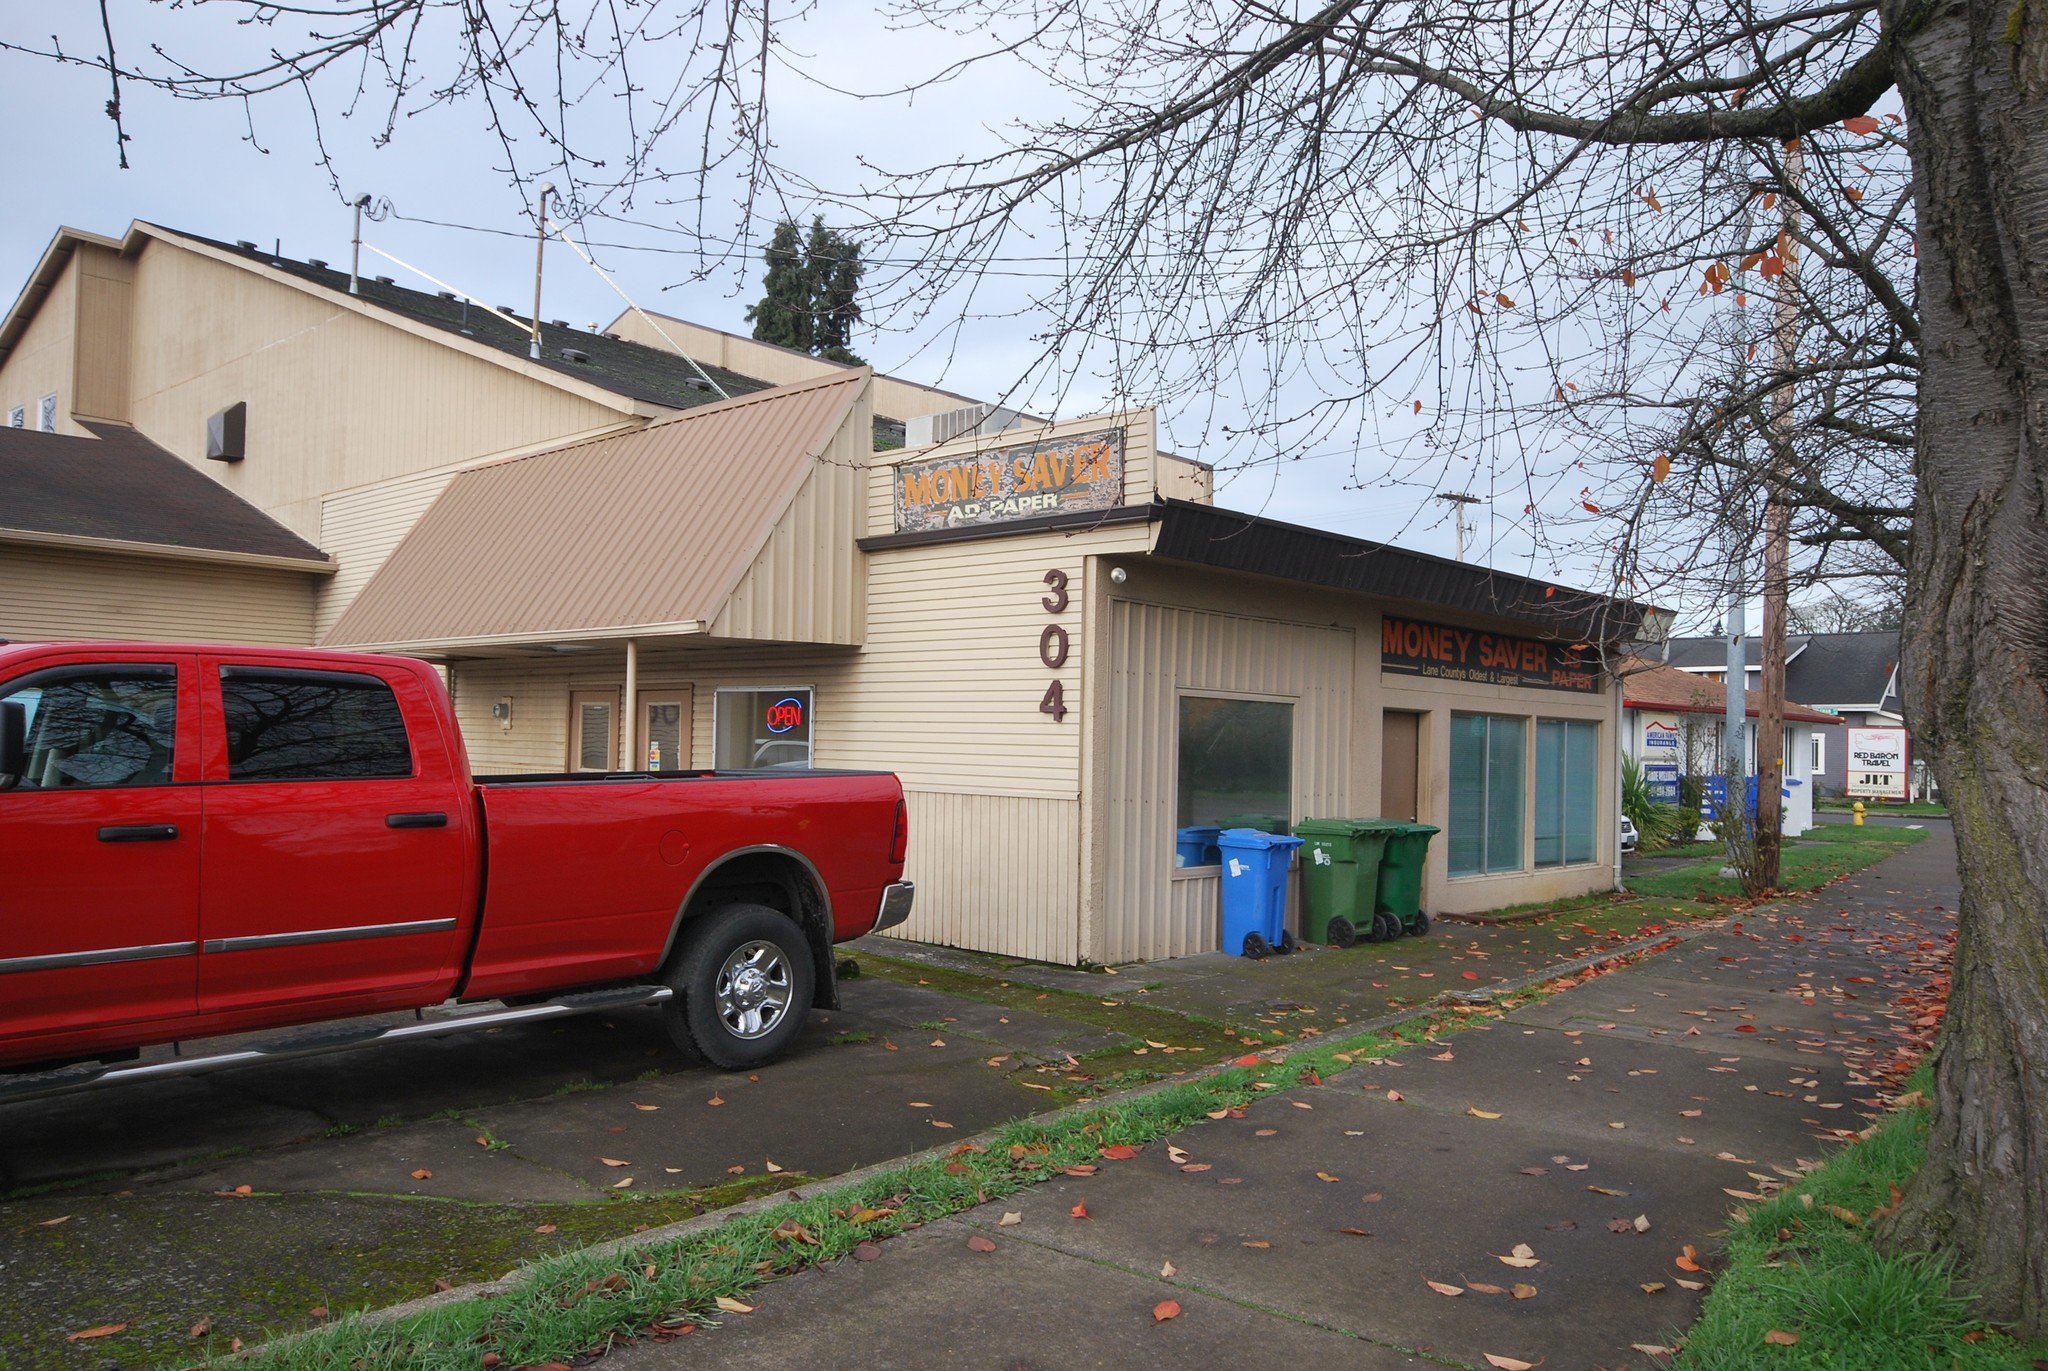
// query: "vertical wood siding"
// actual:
[[41, 360], [104, 339], [70, 596], [1156, 653], [995, 873]]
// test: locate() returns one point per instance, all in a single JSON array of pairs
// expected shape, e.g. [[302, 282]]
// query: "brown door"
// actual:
[[1400, 756], [594, 730]]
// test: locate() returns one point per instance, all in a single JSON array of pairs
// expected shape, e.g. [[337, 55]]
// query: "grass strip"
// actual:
[[1818, 856], [566, 1306], [1801, 1266]]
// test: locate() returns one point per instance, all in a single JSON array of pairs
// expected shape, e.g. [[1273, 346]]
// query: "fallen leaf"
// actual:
[[1741, 1194], [1255, 1242], [940, 1123], [1169, 1271], [866, 1252], [1654, 1350], [1301, 1104], [1394, 1095], [1523, 1255], [1617, 1125], [1079, 1211], [423, 1174], [1642, 1223], [1603, 1190], [1443, 1289], [1264, 1132], [1687, 1260], [105, 1330], [920, 1104], [645, 1108], [938, 1042], [715, 1101], [613, 1161], [1778, 1337], [1325, 1176], [200, 1329], [1118, 1152], [1164, 1310], [622, 1183], [977, 1243], [1525, 1292], [1193, 1168], [1508, 1363], [1652, 1287], [1482, 1113], [544, 1228], [1010, 1219], [1482, 1288], [52, 1223], [733, 1306], [1175, 1154], [1373, 1198], [1685, 1284], [772, 1167], [1355, 1232]]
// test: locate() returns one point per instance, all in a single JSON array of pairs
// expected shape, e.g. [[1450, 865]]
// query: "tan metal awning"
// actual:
[[636, 534]]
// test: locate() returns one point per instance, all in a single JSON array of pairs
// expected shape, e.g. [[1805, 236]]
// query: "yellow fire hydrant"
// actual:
[[1857, 810]]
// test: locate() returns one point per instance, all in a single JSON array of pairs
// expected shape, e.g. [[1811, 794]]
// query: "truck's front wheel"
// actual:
[[742, 985]]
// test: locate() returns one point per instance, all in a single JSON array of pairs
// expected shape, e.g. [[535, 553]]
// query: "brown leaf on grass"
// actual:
[[52, 1223], [977, 1243], [1164, 1310], [105, 1330], [1654, 1350], [1118, 1152], [200, 1329], [1778, 1337], [1443, 1288], [733, 1306], [318, 1311]]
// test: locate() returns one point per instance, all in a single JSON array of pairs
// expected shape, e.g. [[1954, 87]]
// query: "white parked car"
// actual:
[[1628, 835]]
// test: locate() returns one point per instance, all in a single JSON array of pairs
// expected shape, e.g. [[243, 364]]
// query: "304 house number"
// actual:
[[1053, 646]]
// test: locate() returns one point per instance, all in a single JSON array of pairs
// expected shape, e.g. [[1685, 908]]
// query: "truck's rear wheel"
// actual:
[[742, 985]]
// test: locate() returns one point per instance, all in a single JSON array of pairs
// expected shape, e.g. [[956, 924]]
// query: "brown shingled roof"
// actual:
[[1667, 689], [118, 486]]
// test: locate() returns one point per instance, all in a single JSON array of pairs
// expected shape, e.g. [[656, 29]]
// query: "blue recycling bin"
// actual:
[[1196, 846], [1255, 890]]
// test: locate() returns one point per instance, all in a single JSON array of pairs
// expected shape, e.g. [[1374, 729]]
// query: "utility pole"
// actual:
[[355, 255], [1457, 502], [1770, 714]]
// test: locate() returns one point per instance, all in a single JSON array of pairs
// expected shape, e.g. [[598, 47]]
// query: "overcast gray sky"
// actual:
[[203, 168]]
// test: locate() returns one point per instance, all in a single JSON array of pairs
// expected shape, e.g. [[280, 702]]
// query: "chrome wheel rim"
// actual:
[[753, 989]]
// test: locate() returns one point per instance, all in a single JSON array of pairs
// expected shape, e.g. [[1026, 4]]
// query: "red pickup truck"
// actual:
[[197, 841]]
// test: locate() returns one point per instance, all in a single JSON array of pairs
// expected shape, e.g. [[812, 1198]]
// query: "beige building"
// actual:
[[1075, 662]]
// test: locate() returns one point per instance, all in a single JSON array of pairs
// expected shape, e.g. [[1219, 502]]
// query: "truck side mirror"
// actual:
[[13, 743]]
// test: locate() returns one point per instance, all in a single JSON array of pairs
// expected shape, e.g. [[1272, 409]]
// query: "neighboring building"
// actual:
[[1045, 628], [1852, 676], [1671, 725]]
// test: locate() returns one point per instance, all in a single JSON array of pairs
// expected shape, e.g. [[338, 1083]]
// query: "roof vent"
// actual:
[[926, 429], [613, 336], [696, 383], [317, 263], [576, 355], [226, 433], [447, 295], [245, 245], [385, 281], [559, 323]]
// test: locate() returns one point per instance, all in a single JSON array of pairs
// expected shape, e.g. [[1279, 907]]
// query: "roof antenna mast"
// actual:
[[355, 255], [540, 242]]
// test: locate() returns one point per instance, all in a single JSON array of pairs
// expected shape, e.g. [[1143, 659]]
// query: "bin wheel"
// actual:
[[1256, 947], [1340, 932], [1287, 944], [1385, 928], [1421, 923]]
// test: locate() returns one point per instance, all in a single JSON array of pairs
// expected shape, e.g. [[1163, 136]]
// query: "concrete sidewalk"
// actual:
[[1645, 1096]]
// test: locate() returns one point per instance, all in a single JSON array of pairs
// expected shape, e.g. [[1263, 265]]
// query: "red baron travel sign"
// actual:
[[1024, 482], [1409, 648]]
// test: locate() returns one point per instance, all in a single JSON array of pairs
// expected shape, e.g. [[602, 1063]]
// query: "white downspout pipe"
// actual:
[[629, 722]]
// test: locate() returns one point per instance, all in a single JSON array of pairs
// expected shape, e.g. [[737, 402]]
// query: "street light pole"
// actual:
[[1457, 502]]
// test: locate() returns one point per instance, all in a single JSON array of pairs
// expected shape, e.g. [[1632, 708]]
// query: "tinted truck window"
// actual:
[[311, 726], [99, 727]]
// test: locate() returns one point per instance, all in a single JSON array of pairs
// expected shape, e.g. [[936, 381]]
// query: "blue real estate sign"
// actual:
[[1662, 780]]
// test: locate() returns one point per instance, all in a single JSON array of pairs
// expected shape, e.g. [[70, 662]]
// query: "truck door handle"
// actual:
[[139, 833], [433, 819]]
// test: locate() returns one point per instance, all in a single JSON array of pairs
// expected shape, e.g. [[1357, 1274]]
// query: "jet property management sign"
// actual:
[[1410, 648], [1877, 763], [1024, 482]]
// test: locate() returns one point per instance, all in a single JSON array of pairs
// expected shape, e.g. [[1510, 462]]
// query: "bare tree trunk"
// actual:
[[1975, 82]]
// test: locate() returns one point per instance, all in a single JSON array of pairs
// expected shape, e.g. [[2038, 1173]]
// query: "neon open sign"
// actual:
[[785, 714]]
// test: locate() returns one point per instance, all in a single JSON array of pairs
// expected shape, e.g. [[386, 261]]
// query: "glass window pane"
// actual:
[[1581, 791], [665, 737], [298, 728], [761, 728], [1467, 851], [99, 729], [593, 736], [1550, 786], [1506, 756], [1236, 767]]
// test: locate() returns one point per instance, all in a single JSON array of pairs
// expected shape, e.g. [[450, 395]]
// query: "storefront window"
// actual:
[[1488, 752], [1567, 790], [1236, 770], [764, 727]]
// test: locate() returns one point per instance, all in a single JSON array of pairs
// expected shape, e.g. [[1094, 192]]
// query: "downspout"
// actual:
[[1614, 827]]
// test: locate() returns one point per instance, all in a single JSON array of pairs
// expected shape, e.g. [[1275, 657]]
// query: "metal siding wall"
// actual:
[[806, 582], [1157, 652], [105, 336], [71, 596], [359, 528], [995, 873], [43, 358]]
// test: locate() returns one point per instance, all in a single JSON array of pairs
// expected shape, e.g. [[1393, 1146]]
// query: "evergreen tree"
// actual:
[[810, 291]]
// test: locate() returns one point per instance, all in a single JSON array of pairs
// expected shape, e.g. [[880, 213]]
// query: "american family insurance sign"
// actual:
[[1411, 648], [1023, 482]]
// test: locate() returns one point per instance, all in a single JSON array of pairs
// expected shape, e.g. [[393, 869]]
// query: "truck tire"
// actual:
[[743, 986]]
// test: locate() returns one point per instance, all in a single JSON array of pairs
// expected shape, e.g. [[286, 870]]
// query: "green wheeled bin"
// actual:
[[1399, 909], [1340, 877]]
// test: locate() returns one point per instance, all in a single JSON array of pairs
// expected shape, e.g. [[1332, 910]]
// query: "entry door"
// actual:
[[99, 852], [1400, 763], [665, 729], [594, 730]]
